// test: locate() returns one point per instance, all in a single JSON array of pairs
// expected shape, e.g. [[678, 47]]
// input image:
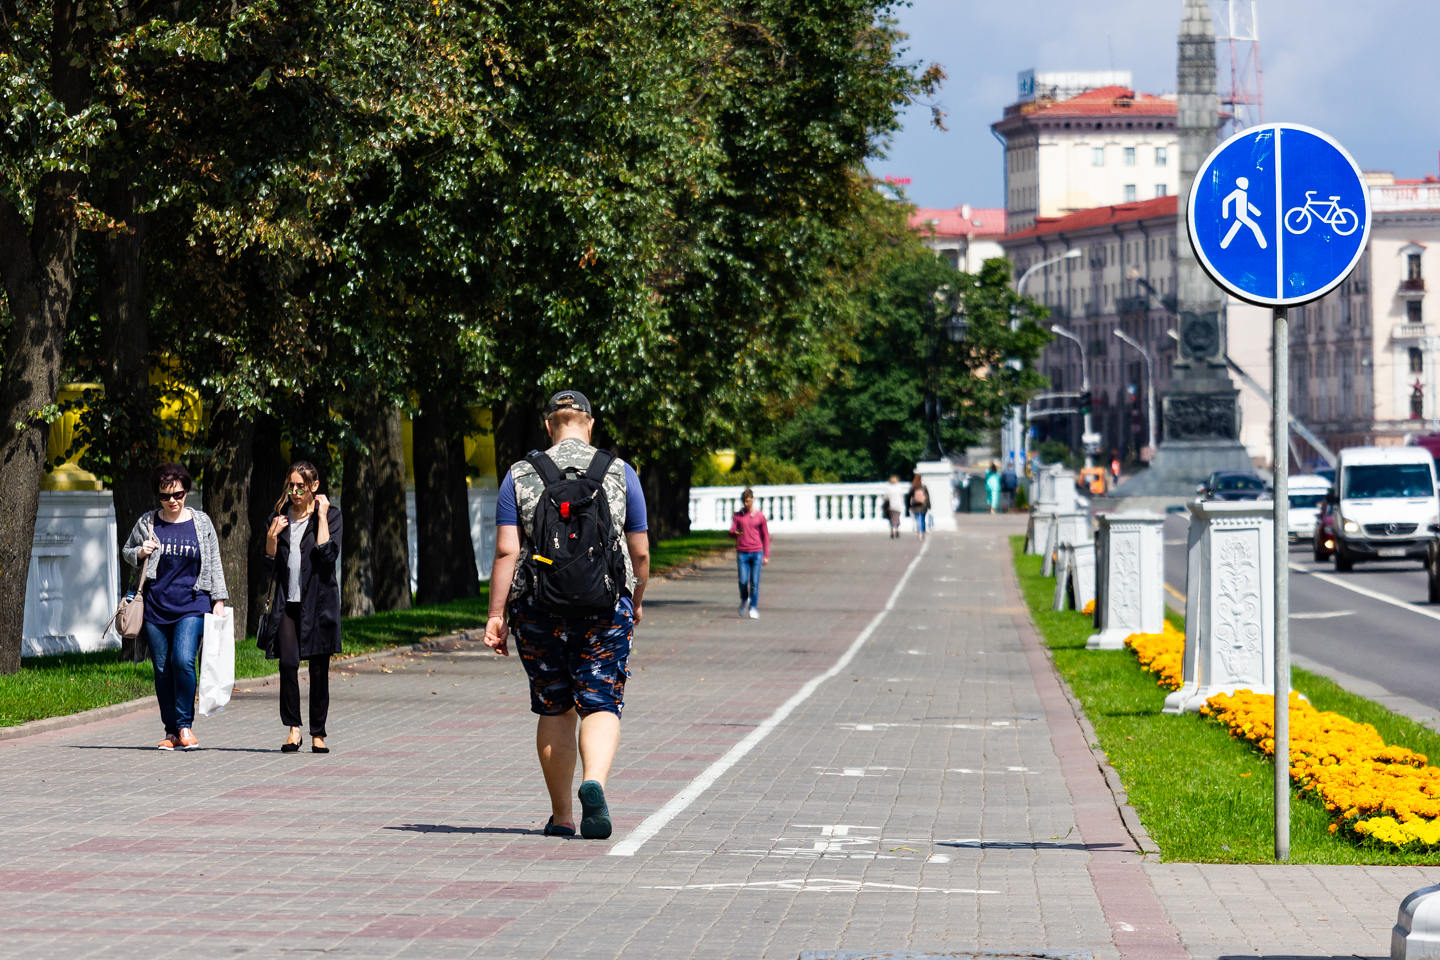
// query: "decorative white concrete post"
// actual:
[[1229, 624], [1082, 573], [1070, 528], [1037, 529], [73, 577], [1074, 575], [1064, 560], [1416, 934], [1130, 592], [939, 479]]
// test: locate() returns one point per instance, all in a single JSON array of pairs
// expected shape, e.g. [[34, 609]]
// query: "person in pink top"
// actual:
[[752, 551]]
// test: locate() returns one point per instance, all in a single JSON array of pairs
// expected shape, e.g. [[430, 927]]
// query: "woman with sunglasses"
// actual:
[[301, 545], [183, 582]]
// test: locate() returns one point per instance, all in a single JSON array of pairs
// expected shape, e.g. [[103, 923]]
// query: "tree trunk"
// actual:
[[227, 500], [37, 266], [446, 554], [390, 562], [666, 481], [357, 594], [125, 374], [519, 428], [267, 470]]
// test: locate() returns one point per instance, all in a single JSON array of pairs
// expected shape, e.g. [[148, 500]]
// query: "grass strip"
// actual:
[[75, 682], [1203, 796]]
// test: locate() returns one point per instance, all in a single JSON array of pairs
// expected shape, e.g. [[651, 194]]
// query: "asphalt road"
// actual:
[[1373, 624]]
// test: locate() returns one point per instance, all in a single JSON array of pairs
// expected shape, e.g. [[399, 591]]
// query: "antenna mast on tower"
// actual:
[[1237, 48]]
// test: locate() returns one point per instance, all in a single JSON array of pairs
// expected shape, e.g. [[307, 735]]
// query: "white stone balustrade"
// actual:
[[1130, 589], [806, 507], [1229, 613]]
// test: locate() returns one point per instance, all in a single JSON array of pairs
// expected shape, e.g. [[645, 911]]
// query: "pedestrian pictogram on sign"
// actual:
[[1279, 214]]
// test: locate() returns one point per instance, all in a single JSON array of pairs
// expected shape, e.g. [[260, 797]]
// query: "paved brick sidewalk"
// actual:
[[933, 793]]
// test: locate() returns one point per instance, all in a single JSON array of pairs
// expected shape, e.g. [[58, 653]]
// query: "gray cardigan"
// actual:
[[211, 578]]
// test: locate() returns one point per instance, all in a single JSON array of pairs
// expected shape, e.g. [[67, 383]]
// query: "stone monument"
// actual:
[[1201, 411]]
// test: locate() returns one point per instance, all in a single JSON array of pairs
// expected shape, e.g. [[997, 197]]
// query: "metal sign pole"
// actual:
[[1280, 433]]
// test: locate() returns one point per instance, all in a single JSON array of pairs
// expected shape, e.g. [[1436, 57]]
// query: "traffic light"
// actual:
[[1085, 402]]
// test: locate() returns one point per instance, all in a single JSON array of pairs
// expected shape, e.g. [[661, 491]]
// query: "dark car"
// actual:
[[1230, 485], [1325, 531]]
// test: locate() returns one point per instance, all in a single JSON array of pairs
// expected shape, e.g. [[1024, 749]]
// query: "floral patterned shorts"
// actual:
[[575, 663]]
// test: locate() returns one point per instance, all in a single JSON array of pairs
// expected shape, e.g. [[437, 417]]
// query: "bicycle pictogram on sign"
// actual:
[[1342, 220]]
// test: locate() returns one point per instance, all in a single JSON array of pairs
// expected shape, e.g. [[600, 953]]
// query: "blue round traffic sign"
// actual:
[[1279, 214]]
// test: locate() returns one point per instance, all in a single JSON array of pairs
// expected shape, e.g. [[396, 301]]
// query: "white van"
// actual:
[[1307, 491], [1384, 504]]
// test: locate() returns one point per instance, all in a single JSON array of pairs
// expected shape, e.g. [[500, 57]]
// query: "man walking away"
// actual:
[[571, 559], [1009, 483]]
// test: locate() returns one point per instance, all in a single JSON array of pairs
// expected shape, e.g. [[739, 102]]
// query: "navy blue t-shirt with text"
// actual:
[[170, 594]]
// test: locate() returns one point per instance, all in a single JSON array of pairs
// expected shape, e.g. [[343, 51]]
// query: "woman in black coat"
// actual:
[[301, 545]]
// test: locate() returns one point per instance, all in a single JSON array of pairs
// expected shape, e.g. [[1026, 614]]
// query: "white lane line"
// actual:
[[656, 822], [1367, 592], [1322, 615]]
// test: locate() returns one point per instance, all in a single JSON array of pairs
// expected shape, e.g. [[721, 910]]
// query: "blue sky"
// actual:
[[1365, 72]]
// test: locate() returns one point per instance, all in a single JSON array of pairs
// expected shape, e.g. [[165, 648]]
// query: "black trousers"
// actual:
[[290, 677]]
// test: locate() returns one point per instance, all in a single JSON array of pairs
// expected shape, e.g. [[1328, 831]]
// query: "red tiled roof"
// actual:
[[952, 223], [1099, 217], [1103, 101]]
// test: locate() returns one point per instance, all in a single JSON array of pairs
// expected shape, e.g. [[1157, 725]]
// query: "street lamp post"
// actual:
[[1149, 386], [1060, 331], [1016, 432]]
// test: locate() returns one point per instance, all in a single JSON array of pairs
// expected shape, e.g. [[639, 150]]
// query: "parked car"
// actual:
[[1325, 530], [1232, 485], [1385, 503], [1307, 492]]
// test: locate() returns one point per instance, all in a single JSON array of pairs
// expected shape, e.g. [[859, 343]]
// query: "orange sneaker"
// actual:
[[187, 739]]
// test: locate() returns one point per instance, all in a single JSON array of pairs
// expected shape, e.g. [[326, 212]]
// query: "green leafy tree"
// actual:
[[916, 391]]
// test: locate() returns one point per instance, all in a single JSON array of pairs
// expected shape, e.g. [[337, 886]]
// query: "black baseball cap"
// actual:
[[568, 400]]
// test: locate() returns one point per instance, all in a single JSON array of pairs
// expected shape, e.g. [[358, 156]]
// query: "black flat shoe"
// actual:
[[315, 749], [289, 747]]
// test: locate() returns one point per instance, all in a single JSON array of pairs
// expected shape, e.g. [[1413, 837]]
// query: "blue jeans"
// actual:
[[748, 565], [920, 522], [174, 647]]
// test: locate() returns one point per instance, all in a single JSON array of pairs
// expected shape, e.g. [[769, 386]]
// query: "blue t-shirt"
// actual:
[[170, 594], [507, 513]]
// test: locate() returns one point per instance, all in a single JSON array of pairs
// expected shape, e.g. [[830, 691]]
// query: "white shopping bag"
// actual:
[[217, 663]]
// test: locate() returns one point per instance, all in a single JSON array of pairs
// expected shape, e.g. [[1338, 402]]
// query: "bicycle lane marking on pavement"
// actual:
[[657, 821]]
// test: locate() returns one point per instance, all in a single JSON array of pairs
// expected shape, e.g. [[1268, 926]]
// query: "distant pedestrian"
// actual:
[[302, 542], [895, 496], [992, 487], [1009, 483], [574, 606], [752, 551], [918, 503], [183, 582], [1114, 468]]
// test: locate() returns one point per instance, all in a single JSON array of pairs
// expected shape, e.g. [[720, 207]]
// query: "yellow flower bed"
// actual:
[[1386, 793], [1089, 608], [1160, 653]]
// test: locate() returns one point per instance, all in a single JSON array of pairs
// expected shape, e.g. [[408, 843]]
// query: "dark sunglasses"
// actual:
[[177, 495]]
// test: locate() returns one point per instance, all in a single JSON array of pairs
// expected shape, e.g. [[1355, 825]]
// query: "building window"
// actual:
[[1129, 193], [1417, 403], [1129, 156], [1412, 266], [1412, 312], [1159, 156], [1161, 189], [1417, 360], [1097, 156]]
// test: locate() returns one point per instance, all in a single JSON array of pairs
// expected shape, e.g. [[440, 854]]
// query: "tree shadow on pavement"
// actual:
[[1029, 845], [448, 828], [201, 749]]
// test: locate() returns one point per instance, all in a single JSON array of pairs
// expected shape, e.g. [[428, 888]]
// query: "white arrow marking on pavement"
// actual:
[[1321, 615], [656, 822], [1366, 592], [819, 885]]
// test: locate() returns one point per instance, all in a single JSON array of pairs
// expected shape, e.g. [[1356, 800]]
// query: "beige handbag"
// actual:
[[129, 617]]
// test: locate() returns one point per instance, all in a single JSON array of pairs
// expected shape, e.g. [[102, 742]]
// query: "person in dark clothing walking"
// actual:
[[301, 545]]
